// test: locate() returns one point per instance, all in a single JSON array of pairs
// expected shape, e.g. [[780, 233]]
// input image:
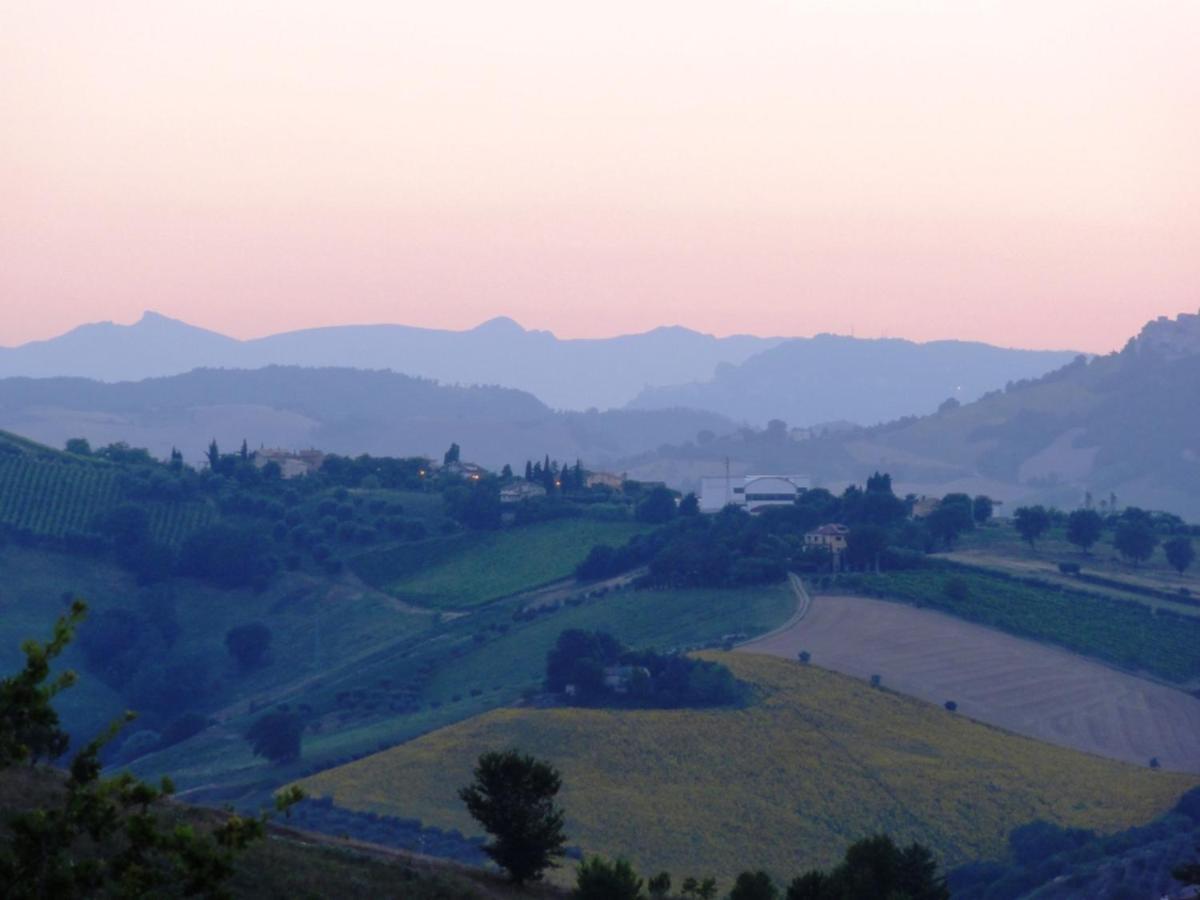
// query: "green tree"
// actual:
[[660, 885], [812, 885], [452, 455], [248, 644], [276, 736], [29, 727], [52, 851], [228, 557], [1031, 523], [1135, 540], [982, 508], [1180, 553], [754, 886], [865, 545], [952, 517], [1188, 873], [476, 504], [513, 797], [1084, 527], [657, 507], [214, 455], [79, 446], [707, 889], [876, 868], [597, 879], [689, 506]]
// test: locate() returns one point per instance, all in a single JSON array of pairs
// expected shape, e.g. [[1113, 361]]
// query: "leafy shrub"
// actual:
[[598, 879]]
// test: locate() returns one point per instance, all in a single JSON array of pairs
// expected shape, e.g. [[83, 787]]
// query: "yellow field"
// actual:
[[818, 761]]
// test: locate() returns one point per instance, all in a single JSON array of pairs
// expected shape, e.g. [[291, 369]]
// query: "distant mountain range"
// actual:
[[745, 378], [1122, 424], [339, 410], [565, 374], [807, 381]]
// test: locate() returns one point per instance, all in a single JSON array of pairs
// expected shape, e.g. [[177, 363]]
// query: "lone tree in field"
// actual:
[[512, 797], [1135, 540], [276, 736], [1180, 553], [248, 644], [1084, 527], [1031, 523]]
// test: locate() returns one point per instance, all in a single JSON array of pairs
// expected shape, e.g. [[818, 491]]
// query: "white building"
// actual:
[[751, 492], [521, 490]]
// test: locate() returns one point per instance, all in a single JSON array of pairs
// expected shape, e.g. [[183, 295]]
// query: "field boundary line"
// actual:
[[803, 605]]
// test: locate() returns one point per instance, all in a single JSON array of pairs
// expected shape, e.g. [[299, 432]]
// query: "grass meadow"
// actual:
[[817, 762], [499, 563]]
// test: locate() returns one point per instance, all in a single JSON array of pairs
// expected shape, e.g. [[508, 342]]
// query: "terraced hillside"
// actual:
[[45, 493], [817, 761]]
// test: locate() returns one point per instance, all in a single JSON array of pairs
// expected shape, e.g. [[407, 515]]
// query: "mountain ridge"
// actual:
[[663, 363]]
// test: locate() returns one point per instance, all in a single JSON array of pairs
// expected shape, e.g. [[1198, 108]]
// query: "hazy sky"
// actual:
[[1026, 173]]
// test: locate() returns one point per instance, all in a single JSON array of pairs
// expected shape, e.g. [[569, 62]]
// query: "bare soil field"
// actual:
[[1019, 685]]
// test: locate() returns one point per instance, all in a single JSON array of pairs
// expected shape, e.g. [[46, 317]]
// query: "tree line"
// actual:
[[1136, 533], [593, 668]]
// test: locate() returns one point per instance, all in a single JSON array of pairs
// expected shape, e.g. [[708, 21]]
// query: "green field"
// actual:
[[495, 564], [1122, 632], [818, 761], [458, 669]]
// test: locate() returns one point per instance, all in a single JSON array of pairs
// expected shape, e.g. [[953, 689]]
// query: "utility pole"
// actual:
[[728, 484]]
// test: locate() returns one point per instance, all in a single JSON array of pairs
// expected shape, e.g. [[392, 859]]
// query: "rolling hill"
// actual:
[[1113, 425], [745, 378], [828, 378], [566, 374], [347, 411], [815, 762]]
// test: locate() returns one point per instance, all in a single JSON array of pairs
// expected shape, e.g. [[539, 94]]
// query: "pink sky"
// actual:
[[1024, 173]]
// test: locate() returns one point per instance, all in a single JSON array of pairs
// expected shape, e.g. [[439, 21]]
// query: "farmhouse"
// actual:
[[466, 470], [832, 537], [619, 678], [752, 492], [605, 479], [291, 464], [925, 506], [521, 490]]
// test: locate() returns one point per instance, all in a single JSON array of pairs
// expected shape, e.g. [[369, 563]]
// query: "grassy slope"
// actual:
[[351, 621], [503, 562], [819, 761], [470, 678]]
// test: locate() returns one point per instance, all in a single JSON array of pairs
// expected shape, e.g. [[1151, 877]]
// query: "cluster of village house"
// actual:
[[298, 463], [750, 492]]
